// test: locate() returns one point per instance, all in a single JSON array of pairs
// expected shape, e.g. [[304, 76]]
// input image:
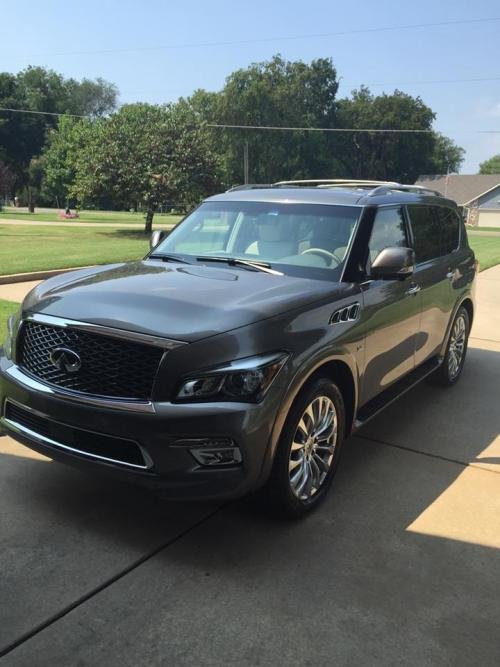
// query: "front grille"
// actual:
[[110, 367], [108, 447]]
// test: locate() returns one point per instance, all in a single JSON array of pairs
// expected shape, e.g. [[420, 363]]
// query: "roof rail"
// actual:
[[250, 186], [398, 187], [333, 182]]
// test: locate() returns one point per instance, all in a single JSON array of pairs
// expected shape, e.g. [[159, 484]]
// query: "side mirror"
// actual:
[[393, 264], [156, 237]]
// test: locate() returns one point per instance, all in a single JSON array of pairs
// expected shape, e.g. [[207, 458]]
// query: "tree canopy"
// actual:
[[23, 135], [277, 93], [295, 94], [148, 155], [491, 166], [145, 155]]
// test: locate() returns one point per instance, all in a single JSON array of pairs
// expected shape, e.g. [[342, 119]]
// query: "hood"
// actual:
[[179, 301]]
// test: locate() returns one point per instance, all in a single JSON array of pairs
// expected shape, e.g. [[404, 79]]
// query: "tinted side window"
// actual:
[[425, 233], [388, 230], [449, 226]]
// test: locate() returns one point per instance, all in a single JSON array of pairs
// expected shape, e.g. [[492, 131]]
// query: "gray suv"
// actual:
[[253, 339]]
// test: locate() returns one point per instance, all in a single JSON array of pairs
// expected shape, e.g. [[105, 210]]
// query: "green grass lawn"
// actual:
[[6, 309], [487, 250], [118, 217], [33, 248], [482, 229]]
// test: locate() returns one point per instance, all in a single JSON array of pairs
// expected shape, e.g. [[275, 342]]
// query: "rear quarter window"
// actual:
[[426, 233], [449, 227]]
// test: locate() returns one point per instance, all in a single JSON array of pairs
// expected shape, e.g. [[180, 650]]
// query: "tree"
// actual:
[[447, 156], [295, 94], [7, 181], [147, 154], [59, 158], [491, 166], [22, 135], [392, 156], [276, 93]]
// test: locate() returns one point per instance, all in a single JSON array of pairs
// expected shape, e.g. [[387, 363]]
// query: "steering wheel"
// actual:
[[325, 254]]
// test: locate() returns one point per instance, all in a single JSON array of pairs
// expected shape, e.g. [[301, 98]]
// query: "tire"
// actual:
[[316, 459], [450, 370]]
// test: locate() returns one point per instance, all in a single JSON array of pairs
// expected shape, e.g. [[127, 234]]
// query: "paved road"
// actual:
[[401, 565]]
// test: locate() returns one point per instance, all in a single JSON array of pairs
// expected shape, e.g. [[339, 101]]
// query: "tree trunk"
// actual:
[[148, 228], [31, 205]]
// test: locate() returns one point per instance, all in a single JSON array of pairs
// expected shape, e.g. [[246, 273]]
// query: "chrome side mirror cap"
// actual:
[[156, 238], [393, 264]]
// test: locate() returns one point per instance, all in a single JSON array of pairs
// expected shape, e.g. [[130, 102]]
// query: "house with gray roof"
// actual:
[[479, 194]]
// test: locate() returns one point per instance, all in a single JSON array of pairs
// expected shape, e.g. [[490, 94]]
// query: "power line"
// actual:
[[44, 113], [416, 82], [370, 130], [246, 127], [316, 129], [262, 40], [344, 83]]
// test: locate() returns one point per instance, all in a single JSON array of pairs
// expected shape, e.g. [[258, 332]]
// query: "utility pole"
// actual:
[[245, 163]]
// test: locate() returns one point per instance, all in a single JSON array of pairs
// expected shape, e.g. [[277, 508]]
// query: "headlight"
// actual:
[[243, 380]]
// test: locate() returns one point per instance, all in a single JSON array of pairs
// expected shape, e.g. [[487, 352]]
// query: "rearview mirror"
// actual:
[[156, 237], [393, 264]]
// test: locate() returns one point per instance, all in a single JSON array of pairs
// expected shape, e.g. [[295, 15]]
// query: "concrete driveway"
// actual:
[[400, 566]]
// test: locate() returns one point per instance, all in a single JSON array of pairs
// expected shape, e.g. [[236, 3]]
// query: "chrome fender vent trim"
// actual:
[[346, 314]]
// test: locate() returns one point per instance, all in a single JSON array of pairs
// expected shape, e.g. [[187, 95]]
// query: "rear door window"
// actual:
[[449, 227], [426, 233]]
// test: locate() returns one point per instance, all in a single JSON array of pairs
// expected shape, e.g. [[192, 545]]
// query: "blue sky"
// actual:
[[42, 33]]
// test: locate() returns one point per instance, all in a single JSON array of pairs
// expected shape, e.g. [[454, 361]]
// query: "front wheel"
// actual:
[[308, 450], [450, 370]]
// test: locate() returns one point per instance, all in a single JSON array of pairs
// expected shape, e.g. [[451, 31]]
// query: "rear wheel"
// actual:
[[309, 449], [450, 370]]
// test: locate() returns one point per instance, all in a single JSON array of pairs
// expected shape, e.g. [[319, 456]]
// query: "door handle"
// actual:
[[414, 289]]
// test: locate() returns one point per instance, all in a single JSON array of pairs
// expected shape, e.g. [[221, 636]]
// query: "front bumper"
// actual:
[[163, 431]]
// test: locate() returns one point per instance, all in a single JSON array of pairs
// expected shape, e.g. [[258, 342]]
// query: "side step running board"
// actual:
[[392, 393]]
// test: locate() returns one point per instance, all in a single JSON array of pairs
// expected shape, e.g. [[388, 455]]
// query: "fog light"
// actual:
[[217, 453]]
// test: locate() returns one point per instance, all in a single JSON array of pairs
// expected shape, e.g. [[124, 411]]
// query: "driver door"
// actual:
[[391, 310]]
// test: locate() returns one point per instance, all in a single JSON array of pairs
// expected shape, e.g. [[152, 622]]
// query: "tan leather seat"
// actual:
[[272, 242]]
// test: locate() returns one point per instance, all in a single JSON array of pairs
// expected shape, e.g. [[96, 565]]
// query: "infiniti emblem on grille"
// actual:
[[65, 360]]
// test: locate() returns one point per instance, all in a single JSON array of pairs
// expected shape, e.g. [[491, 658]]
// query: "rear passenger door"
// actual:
[[435, 237]]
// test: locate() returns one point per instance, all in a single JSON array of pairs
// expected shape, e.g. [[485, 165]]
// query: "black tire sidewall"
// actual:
[[279, 481]]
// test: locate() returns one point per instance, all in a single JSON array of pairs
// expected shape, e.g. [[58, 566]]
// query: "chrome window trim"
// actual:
[[42, 439], [16, 374], [133, 336]]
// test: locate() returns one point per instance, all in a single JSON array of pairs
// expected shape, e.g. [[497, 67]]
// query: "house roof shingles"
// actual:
[[463, 188]]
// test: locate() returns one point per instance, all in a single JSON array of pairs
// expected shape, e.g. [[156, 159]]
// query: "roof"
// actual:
[[463, 188], [347, 196], [344, 196]]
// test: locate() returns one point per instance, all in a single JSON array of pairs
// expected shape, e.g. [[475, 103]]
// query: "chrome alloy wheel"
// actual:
[[457, 346], [313, 447]]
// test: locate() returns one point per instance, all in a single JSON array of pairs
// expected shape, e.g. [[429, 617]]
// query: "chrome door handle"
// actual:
[[414, 289]]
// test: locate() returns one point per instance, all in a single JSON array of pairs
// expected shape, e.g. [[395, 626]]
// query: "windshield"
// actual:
[[300, 239]]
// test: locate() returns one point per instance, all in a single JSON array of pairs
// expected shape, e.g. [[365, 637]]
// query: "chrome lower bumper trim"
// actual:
[[43, 440], [15, 373]]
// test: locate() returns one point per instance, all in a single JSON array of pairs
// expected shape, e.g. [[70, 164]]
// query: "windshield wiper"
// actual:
[[169, 258], [234, 261]]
